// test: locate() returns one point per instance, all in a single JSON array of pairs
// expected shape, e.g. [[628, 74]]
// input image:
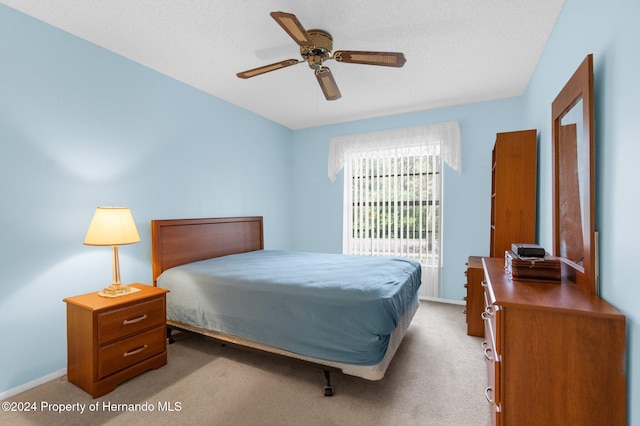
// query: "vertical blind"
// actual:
[[392, 189], [392, 204]]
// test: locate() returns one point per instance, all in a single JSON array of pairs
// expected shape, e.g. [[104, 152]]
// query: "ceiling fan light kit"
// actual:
[[316, 47]]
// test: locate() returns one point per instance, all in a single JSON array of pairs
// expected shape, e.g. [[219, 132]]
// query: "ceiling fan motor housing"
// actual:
[[321, 50]]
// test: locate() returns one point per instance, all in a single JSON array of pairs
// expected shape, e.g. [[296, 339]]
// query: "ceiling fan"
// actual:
[[315, 48]]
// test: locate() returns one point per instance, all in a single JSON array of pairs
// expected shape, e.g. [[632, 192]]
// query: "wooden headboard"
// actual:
[[178, 241]]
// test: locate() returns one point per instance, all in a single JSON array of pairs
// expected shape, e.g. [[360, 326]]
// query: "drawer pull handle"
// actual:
[[487, 352], [486, 395], [484, 284], [135, 320], [485, 315], [135, 351]]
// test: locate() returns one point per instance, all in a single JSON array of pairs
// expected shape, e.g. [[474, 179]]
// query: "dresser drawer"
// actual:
[[492, 352], [492, 360], [490, 314], [131, 319], [124, 353]]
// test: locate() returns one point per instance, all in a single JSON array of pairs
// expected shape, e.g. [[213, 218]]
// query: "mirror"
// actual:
[[573, 181], [570, 174]]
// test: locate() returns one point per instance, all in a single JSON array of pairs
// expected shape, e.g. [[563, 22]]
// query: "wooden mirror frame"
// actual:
[[578, 88]]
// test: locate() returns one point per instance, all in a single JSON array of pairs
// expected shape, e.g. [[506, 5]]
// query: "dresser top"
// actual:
[[565, 296]]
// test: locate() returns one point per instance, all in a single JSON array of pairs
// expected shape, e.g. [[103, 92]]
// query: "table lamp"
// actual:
[[113, 226]]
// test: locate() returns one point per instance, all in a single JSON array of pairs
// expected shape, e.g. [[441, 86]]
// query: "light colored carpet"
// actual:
[[437, 377]]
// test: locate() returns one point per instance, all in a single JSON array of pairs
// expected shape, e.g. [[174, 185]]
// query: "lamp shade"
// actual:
[[112, 226]]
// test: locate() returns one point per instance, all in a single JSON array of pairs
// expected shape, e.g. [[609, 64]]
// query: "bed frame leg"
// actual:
[[169, 337], [328, 389]]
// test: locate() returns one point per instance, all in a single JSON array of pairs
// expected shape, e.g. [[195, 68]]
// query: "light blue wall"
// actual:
[[317, 210], [82, 127], [610, 31]]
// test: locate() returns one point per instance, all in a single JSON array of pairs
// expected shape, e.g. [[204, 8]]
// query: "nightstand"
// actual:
[[110, 340]]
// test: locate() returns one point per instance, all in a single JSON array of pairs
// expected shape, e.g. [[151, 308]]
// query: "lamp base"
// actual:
[[117, 290]]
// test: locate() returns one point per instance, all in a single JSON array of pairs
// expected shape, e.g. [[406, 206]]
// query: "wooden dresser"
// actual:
[[555, 355], [474, 305], [110, 340]]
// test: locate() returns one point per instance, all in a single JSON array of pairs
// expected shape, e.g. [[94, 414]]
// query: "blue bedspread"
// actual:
[[334, 307]]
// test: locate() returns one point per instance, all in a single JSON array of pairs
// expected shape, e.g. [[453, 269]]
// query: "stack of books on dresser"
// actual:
[[531, 262]]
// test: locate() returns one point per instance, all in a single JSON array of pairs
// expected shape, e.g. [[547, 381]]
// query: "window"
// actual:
[[392, 193], [392, 205]]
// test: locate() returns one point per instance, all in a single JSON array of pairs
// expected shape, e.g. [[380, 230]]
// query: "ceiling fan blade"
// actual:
[[328, 84], [267, 68], [387, 59], [293, 27]]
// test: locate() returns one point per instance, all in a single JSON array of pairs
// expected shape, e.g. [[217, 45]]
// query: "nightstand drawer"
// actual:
[[122, 354], [125, 321]]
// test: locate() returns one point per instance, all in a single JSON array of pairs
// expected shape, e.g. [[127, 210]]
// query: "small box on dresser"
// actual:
[[540, 269], [110, 340]]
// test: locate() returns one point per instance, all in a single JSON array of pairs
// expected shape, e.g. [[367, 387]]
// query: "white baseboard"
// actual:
[[441, 300], [32, 384]]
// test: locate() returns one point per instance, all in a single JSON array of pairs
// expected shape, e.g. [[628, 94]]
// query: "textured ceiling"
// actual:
[[458, 51]]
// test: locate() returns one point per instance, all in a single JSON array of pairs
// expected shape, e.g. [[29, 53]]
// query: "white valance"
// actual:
[[415, 139]]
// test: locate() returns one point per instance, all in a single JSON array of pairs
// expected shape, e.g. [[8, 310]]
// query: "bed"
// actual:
[[308, 306]]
